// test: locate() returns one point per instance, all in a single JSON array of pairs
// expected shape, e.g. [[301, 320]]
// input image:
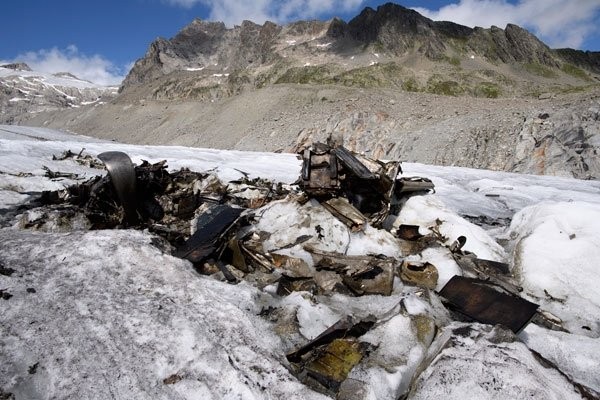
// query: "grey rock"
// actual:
[[583, 59]]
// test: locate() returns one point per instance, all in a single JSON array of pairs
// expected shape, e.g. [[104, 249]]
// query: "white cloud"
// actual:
[[233, 12], [559, 23], [94, 68]]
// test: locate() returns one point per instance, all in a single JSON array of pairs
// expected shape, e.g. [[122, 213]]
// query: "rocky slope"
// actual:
[[557, 136], [23, 91], [391, 82]]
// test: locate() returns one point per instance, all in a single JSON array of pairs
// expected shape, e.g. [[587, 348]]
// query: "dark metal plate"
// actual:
[[480, 302], [211, 225]]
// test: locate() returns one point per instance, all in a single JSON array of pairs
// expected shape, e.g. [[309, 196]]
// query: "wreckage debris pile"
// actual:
[[213, 225]]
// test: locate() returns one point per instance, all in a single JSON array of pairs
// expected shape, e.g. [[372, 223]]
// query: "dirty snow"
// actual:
[[477, 362], [106, 314], [120, 317]]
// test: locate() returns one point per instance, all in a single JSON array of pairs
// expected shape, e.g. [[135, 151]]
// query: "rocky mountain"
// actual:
[[390, 46], [23, 91], [389, 82]]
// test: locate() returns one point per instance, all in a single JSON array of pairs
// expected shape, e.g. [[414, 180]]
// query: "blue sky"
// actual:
[[99, 40]]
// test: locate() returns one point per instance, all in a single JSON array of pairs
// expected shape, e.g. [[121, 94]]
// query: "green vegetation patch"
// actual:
[[487, 89], [377, 75], [201, 92], [459, 45], [575, 71], [447, 88], [540, 70], [411, 85], [454, 60], [317, 74], [576, 89]]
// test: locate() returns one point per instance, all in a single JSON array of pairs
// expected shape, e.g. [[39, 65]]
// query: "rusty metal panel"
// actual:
[[490, 266], [346, 213], [319, 173], [287, 285], [333, 364], [480, 302], [306, 165], [409, 232], [414, 184], [346, 327], [361, 274]]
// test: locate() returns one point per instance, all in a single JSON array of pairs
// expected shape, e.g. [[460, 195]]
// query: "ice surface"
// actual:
[[578, 357], [287, 221], [388, 369], [430, 212], [556, 257], [464, 190]]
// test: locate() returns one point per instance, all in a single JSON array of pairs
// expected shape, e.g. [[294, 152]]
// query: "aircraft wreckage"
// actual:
[[214, 226]]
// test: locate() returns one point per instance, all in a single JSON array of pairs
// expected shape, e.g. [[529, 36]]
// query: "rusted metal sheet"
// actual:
[[361, 274], [291, 266], [414, 184], [237, 256], [346, 213], [409, 232], [346, 327], [494, 272], [371, 186], [211, 226], [419, 274], [479, 301], [320, 171], [257, 259], [378, 278], [490, 266], [325, 362], [288, 284], [332, 365]]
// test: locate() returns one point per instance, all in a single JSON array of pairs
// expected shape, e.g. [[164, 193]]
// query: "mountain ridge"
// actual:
[[391, 31]]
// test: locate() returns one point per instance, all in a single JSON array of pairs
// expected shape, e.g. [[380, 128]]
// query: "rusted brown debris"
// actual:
[[356, 190], [369, 186], [325, 362]]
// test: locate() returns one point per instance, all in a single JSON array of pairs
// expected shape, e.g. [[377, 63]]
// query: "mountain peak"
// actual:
[[19, 66]]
